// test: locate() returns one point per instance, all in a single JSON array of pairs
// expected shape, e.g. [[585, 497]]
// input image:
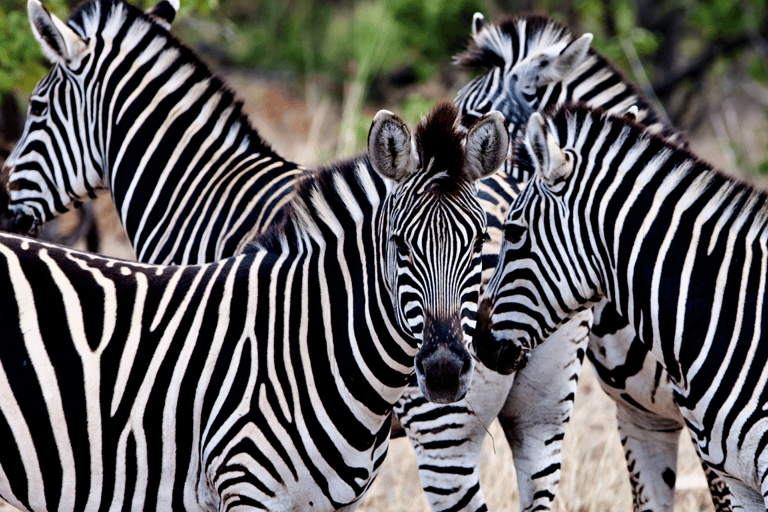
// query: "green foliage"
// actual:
[[283, 35], [436, 29], [724, 19], [189, 7], [758, 70], [358, 41], [22, 63], [415, 107], [614, 24]]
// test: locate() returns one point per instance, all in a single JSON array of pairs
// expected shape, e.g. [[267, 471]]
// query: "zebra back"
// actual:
[[534, 63]]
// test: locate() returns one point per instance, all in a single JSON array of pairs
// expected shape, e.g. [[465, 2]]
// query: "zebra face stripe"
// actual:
[[434, 266], [434, 259]]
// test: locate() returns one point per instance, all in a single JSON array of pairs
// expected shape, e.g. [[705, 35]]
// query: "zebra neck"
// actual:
[[177, 143], [672, 233], [339, 217]]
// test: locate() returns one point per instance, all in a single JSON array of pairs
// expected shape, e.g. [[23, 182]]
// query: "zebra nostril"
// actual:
[[5, 199], [25, 225], [419, 366], [466, 367]]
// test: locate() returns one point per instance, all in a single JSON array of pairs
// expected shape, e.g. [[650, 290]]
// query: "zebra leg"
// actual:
[[717, 488], [448, 439], [536, 412], [744, 498], [648, 416], [650, 447]]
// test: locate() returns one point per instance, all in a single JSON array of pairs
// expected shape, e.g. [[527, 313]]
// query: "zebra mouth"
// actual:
[[19, 223], [503, 356], [443, 364], [443, 375]]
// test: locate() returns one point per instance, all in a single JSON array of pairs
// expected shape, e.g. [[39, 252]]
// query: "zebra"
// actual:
[[617, 212], [247, 382], [44, 181], [547, 65]]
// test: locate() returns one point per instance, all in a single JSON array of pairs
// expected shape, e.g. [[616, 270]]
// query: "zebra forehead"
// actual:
[[440, 222]]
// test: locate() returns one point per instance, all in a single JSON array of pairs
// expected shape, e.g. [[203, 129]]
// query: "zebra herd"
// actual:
[[191, 381]]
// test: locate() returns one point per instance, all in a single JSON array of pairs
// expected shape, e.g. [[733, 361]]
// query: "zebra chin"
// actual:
[[19, 223], [443, 365], [503, 356]]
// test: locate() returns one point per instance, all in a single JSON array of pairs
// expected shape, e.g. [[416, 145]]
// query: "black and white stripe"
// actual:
[[264, 381], [617, 213], [157, 186], [198, 200]]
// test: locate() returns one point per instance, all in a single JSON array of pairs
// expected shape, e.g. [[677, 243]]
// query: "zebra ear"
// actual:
[[556, 69], [549, 158], [389, 146], [487, 146], [60, 43], [164, 12], [478, 24], [632, 113]]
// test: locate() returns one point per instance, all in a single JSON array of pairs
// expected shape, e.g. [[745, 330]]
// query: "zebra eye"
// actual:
[[37, 108], [514, 233], [479, 241], [401, 245]]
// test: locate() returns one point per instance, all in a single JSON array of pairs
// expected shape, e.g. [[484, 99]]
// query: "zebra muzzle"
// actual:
[[501, 356], [19, 223], [443, 365]]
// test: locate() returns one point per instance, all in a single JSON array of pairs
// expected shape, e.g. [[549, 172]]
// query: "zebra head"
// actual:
[[434, 229], [544, 273], [522, 55], [60, 159]]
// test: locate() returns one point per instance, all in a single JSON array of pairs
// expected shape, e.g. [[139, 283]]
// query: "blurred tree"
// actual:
[[22, 63]]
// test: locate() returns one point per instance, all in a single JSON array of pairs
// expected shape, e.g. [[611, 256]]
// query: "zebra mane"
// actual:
[[438, 140], [513, 39], [324, 198], [96, 16], [319, 200], [566, 122]]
